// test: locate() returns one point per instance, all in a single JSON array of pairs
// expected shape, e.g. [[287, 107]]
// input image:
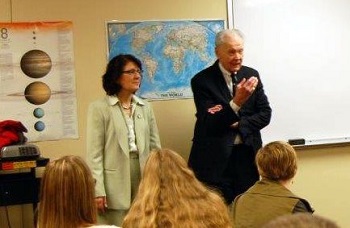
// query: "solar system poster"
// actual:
[[37, 79]]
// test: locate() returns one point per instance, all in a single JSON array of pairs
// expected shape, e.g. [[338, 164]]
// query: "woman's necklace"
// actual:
[[126, 107]]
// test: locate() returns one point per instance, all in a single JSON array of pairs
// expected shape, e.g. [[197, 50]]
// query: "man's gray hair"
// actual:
[[220, 36]]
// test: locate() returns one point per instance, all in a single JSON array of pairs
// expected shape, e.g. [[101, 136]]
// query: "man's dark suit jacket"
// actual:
[[213, 138]]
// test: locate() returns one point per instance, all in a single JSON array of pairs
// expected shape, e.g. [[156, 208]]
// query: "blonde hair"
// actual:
[[277, 161], [170, 196], [67, 194]]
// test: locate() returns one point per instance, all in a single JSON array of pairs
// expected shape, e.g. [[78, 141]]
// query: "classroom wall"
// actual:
[[323, 174]]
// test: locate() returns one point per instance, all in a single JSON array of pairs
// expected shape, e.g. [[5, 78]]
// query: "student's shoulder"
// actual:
[[104, 226], [303, 205]]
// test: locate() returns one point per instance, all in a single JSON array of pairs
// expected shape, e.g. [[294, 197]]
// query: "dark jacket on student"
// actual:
[[264, 201]]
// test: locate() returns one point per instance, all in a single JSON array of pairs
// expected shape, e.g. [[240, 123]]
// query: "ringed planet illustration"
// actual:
[[37, 93]]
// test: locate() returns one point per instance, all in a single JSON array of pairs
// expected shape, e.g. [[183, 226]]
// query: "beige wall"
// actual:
[[324, 172], [324, 179]]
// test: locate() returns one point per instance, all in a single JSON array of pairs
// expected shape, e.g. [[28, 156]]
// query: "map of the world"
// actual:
[[172, 52]]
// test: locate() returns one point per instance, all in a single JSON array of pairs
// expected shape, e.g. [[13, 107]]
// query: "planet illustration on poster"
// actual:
[[39, 126], [37, 78], [37, 93], [36, 63], [38, 113]]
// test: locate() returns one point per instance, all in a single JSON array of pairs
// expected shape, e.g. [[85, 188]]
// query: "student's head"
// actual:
[[301, 220], [123, 72], [67, 194], [170, 196], [277, 161], [229, 47]]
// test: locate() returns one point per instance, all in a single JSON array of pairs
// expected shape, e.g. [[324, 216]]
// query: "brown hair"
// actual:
[[170, 196], [277, 161], [301, 220], [67, 194], [114, 70]]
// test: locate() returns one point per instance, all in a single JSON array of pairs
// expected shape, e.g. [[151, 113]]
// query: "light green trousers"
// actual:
[[116, 217]]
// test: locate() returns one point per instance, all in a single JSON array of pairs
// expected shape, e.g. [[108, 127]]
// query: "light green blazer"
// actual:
[[108, 146]]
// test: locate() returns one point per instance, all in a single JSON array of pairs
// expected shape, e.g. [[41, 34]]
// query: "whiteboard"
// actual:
[[302, 51]]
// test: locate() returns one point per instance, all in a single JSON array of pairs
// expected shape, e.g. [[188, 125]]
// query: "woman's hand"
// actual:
[[101, 203]]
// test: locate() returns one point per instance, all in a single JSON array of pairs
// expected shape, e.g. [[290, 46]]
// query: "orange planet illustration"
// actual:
[[37, 93]]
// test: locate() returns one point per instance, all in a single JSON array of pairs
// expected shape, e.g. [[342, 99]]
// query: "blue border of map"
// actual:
[[172, 52]]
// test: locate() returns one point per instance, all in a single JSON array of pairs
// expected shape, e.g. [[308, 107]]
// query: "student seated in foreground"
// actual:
[[270, 197], [301, 220], [67, 195], [170, 196]]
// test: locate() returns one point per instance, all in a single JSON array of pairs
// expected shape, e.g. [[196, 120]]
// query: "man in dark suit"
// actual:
[[232, 108]]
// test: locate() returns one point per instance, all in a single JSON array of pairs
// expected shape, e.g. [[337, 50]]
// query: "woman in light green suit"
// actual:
[[121, 132]]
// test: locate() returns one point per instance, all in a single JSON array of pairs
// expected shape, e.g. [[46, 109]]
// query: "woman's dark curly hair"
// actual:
[[114, 70]]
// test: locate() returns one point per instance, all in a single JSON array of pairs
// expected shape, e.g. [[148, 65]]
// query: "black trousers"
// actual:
[[240, 174]]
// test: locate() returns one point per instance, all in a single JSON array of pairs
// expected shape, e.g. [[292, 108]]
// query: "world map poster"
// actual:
[[171, 52], [37, 79]]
